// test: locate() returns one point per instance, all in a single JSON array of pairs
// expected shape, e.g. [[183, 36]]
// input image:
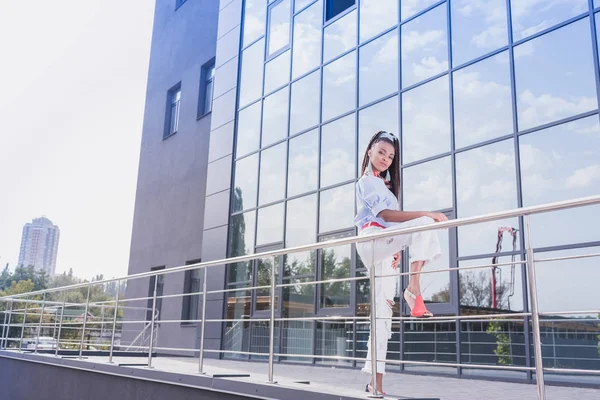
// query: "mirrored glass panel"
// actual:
[[340, 36], [246, 183], [596, 3], [426, 121], [305, 103], [300, 4], [482, 101], [270, 225], [298, 301], [382, 116], [376, 16], [275, 117], [251, 78], [277, 72], [567, 86], [248, 136], [427, 186], [409, 8], [279, 26], [301, 265], [335, 264], [264, 266], [339, 86], [477, 28], [336, 208], [435, 287], [254, 20], [272, 174], [378, 68], [301, 221], [485, 183], [307, 40], [562, 163], [530, 17], [241, 242], [424, 46], [338, 141], [303, 163]]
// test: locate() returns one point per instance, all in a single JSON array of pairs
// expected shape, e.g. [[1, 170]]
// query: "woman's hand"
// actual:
[[396, 260], [437, 217]]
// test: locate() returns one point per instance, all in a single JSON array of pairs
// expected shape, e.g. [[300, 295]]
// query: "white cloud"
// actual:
[[413, 40], [537, 110], [429, 66], [583, 177]]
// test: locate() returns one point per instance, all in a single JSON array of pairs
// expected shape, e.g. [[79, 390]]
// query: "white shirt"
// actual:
[[372, 197]]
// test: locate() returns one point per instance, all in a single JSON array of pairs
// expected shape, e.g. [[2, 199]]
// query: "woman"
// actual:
[[377, 201]]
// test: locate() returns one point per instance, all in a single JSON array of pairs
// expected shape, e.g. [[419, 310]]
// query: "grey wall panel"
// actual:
[[223, 109], [229, 17], [221, 142], [218, 176], [216, 210], [226, 77], [228, 46]]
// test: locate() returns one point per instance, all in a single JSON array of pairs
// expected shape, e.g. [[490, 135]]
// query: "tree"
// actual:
[[475, 290]]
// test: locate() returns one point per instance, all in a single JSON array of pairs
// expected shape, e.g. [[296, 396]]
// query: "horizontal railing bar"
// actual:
[[458, 317], [357, 278], [573, 371], [341, 318], [542, 260], [237, 352], [461, 365], [238, 289], [173, 349], [433, 271], [597, 311]]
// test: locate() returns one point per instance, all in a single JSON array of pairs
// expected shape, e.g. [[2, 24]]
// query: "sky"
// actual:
[[73, 82]]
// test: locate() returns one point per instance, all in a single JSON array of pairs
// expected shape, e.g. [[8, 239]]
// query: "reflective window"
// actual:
[[428, 186], [530, 17], [340, 36], [336, 208], [339, 86], [567, 86], [436, 286], [246, 183], [412, 7], [264, 266], [301, 221], [336, 7], [562, 163], [277, 72], [303, 163], [426, 121], [300, 4], [482, 101], [275, 117], [485, 183], [477, 28], [307, 40], [272, 174], [382, 116], [596, 3], [301, 264], [376, 16], [424, 46], [270, 224], [248, 135], [305, 102], [338, 141], [279, 26], [335, 264], [241, 242], [254, 20], [378, 68], [251, 77]]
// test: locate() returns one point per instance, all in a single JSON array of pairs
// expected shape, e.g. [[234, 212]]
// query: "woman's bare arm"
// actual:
[[403, 216]]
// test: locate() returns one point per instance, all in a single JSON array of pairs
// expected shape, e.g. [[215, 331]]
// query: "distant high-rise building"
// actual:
[[39, 245]]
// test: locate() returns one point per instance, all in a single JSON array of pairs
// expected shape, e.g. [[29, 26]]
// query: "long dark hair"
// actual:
[[394, 169]]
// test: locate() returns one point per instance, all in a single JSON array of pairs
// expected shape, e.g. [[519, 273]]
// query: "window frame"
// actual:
[[327, 18], [270, 7], [205, 81], [179, 3], [171, 129]]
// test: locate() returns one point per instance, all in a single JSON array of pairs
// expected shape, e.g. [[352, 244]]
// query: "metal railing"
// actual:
[[18, 305]]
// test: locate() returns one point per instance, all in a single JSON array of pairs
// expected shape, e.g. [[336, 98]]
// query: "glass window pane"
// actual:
[[251, 78], [426, 121], [335, 264], [482, 101], [246, 183], [424, 46], [241, 242], [264, 267], [339, 86], [567, 86], [301, 264], [340, 36], [336, 208], [427, 186], [530, 17], [303, 163], [301, 221], [338, 141], [275, 117], [305, 102], [336, 7], [411, 7], [436, 286], [279, 26], [272, 174], [307, 40], [596, 3], [562, 163], [254, 20], [300, 4], [382, 116], [376, 16], [248, 129], [277, 72], [477, 28], [378, 68], [270, 225], [485, 183]]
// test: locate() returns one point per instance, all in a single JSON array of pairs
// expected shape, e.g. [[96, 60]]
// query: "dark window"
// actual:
[[178, 3], [191, 284], [159, 293], [335, 7], [173, 106], [207, 78]]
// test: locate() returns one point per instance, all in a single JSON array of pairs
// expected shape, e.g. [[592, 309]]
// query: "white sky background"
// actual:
[[72, 81]]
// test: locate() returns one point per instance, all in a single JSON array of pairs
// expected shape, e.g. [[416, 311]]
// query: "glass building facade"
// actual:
[[496, 107]]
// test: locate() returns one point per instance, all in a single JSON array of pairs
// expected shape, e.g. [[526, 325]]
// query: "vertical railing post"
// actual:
[[152, 317], [373, 343], [114, 327], [535, 317], [87, 305], [37, 339], [4, 325], [23, 325], [272, 323], [6, 339], [62, 314], [101, 322], [202, 325]]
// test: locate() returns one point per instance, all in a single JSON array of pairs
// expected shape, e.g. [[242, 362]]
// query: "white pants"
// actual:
[[424, 246]]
